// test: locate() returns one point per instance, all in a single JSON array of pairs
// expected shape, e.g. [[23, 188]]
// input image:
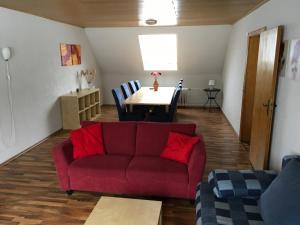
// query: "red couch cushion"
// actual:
[[99, 167], [87, 141], [179, 147], [151, 138], [119, 137], [156, 169]]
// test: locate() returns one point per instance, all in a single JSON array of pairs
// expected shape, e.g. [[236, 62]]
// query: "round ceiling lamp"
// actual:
[[151, 22]]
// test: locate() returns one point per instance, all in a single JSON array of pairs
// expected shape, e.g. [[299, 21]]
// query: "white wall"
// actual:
[[201, 53], [37, 76], [286, 134]]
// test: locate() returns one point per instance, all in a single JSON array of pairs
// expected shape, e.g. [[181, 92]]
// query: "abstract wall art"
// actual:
[[76, 54], [70, 54], [293, 64], [66, 55]]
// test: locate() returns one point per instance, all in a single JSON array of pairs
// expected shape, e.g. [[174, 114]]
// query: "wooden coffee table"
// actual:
[[125, 211]]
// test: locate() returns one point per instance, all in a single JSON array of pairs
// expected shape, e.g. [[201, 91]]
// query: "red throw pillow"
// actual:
[[179, 147], [87, 141]]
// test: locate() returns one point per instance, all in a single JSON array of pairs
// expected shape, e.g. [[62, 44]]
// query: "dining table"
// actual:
[[147, 96]]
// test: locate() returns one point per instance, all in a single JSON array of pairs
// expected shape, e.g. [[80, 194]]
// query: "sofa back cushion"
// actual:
[[279, 204], [151, 138], [119, 137]]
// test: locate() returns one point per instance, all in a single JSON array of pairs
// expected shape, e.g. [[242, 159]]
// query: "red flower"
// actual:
[[155, 74]]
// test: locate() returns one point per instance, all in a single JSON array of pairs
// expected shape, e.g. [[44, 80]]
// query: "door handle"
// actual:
[[269, 106]]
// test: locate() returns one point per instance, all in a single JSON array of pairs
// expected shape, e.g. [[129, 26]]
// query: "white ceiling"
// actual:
[[201, 49]]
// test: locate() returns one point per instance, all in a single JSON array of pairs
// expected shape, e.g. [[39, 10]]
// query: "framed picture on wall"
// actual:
[[76, 54], [293, 63], [70, 54], [66, 55]]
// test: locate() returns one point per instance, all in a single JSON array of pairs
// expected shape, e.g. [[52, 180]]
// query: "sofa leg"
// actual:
[[69, 192]]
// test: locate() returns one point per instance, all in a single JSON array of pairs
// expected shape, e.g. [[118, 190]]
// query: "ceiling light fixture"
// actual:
[[158, 12], [151, 22]]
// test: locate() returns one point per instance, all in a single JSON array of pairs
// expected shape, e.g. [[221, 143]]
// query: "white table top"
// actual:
[[147, 96], [125, 211]]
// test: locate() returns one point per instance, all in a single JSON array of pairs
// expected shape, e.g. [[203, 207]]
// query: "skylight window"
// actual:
[[159, 52]]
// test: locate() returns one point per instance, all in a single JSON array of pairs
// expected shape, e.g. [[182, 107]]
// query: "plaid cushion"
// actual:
[[211, 210], [240, 183]]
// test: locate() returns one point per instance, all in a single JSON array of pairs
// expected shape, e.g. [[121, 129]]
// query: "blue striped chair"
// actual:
[[121, 107], [125, 90], [132, 86], [158, 115], [137, 84]]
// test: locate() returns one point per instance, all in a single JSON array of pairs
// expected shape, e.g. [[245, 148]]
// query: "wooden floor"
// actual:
[[29, 192]]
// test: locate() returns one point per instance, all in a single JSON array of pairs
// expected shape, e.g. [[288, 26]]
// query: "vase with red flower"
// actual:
[[155, 84]]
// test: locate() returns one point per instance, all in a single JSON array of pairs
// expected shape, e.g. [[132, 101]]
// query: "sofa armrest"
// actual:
[[196, 167], [63, 156], [288, 158], [240, 183]]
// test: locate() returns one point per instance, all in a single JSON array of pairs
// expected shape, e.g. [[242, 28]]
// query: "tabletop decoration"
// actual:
[[155, 75]]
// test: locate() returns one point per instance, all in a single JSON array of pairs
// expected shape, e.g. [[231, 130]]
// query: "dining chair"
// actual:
[[121, 107], [125, 90], [180, 83], [132, 86], [161, 108], [137, 84], [136, 108], [161, 116]]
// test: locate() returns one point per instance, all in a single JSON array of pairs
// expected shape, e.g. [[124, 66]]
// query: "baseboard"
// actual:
[[30, 148], [237, 135]]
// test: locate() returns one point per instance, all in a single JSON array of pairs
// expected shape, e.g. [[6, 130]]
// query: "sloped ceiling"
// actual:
[[201, 49], [201, 54], [127, 13]]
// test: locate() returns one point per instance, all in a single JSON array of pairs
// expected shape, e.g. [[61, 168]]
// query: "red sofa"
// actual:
[[132, 164]]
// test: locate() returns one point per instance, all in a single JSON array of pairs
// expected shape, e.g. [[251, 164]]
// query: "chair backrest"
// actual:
[[179, 84], [119, 99], [137, 84], [125, 90], [172, 108], [132, 86]]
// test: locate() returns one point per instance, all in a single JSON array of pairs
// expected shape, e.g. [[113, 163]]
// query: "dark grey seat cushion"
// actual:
[[211, 210], [280, 204], [240, 183]]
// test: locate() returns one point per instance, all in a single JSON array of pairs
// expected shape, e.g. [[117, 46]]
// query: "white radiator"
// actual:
[[194, 97]]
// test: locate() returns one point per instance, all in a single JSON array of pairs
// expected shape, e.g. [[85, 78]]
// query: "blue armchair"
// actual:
[[234, 197]]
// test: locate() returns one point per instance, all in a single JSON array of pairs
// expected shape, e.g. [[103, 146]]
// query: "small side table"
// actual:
[[211, 97]]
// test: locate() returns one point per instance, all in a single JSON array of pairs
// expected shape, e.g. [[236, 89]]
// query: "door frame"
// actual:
[[243, 128], [270, 104]]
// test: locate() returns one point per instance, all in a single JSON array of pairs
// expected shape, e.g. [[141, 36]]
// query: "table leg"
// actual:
[[206, 100], [215, 100], [130, 108], [167, 108], [160, 219]]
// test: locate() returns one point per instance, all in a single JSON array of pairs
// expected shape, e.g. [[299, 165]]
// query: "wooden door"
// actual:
[[265, 93], [249, 89]]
